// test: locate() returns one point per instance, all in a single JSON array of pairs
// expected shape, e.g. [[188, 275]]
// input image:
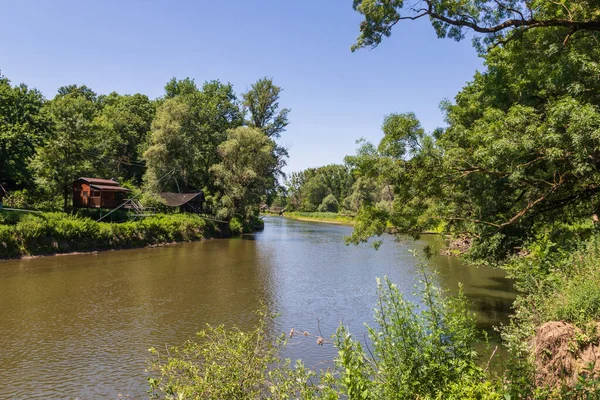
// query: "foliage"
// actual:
[[33, 234], [225, 364], [189, 126], [262, 102], [420, 350], [24, 126], [245, 174], [498, 21], [520, 151], [232, 364], [559, 281], [64, 158], [123, 126], [329, 204]]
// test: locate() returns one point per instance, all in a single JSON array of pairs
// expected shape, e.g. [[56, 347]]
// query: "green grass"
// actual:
[[48, 233], [321, 217]]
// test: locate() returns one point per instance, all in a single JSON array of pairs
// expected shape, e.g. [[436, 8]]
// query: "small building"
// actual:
[[98, 193], [187, 202]]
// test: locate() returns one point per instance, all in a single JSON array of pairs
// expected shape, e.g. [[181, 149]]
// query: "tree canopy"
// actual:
[[497, 20], [520, 153]]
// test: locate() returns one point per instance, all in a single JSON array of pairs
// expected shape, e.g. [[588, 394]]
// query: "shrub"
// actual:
[[329, 204], [58, 232], [420, 351]]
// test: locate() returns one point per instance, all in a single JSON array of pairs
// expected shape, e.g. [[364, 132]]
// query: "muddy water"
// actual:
[[79, 326]]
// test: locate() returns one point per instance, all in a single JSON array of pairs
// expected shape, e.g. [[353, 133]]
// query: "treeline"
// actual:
[[333, 188], [192, 138]]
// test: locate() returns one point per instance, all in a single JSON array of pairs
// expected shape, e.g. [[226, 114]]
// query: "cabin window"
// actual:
[[95, 193]]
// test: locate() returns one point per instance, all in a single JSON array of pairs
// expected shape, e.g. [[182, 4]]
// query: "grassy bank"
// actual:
[[328, 217], [51, 233]]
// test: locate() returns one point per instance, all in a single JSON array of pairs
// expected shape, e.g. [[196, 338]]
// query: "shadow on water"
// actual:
[[80, 326]]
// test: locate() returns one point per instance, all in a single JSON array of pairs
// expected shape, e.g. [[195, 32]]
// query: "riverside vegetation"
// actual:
[[192, 138], [515, 175], [49, 233]]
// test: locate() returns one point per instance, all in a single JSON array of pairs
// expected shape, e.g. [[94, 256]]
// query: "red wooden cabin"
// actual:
[[98, 193]]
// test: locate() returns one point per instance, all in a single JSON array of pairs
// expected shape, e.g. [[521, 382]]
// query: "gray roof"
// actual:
[[179, 199]]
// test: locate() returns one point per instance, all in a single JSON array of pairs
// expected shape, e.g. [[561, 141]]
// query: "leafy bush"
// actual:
[[559, 280], [420, 351], [57, 233], [329, 204], [236, 226]]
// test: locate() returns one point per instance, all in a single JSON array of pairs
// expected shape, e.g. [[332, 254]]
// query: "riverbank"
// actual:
[[325, 217], [59, 233]]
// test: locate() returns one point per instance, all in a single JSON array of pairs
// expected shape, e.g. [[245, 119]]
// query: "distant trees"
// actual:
[[320, 189], [168, 144]]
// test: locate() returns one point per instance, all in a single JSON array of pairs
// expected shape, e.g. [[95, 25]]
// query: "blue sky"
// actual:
[[336, 96]]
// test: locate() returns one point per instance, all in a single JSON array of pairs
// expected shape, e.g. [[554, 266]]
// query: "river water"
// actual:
[[79, 326]]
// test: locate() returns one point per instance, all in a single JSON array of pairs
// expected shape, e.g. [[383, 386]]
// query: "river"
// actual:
[[79, 326]]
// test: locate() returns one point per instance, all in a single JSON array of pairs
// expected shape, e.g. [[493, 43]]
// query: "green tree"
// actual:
[[246, 173], [498, 20], [180, 87], [123, 126], [66, 154], [186, 132], [262, 102], [519, 154], [24, 126]]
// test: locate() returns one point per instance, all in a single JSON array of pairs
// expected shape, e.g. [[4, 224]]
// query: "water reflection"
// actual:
[[80, 326]]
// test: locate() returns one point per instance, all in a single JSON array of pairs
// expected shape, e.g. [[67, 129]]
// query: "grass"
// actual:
[[329, 217], [50, 233]]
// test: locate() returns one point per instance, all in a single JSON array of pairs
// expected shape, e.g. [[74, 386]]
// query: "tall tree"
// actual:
[[262, 102], [521, 153], [66, 155], [24, 126], [246, 173], [186, 133], [123, 124]]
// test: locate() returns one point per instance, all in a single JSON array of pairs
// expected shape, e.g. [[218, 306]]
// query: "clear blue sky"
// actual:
[[336, 96]]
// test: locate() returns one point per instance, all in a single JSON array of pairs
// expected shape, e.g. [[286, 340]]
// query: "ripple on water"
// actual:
[[80, 326]]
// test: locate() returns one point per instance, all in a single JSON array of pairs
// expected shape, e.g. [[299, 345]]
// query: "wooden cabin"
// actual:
[[187, 202], [98, 193]]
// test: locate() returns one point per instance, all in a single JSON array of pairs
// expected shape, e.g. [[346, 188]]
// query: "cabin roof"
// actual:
[[179, 199], [109, 188], [98, 181]]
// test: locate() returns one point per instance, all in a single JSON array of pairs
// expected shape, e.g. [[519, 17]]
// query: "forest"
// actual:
[[192, 138]]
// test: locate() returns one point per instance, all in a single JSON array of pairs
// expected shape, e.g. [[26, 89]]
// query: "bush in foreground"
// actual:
[[420, 350]]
